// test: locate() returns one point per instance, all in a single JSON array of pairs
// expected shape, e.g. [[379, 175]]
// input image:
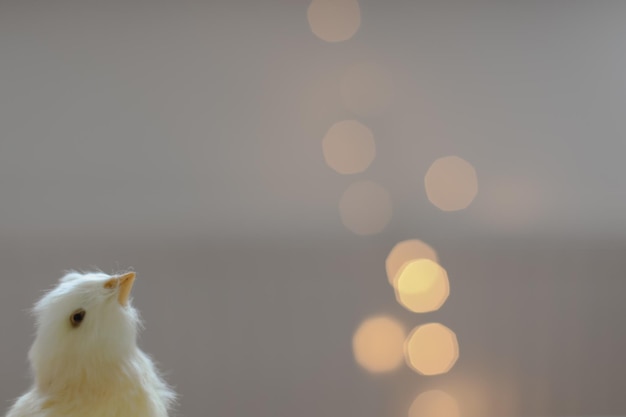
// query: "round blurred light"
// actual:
[[334, 20], [422, 286], [349, 147], [451, 183], [434, 403], [405, 251], [378, 344], [431, 349], [365, 208], [366, 89]]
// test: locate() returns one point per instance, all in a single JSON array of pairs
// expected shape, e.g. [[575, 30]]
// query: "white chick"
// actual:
[[85, 359]]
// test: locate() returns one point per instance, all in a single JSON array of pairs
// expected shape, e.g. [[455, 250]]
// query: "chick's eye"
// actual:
[[77, 317]]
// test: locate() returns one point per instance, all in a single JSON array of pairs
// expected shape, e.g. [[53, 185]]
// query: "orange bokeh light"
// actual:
[[434, 403], [422, 286], [451, 183], [405, 251], [365, 208], [431, 349], [378, 344], [349, 147], [334, 20]]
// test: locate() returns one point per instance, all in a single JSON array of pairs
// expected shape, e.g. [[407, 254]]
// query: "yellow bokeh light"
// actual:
[[407, 250], [419, 276], [365, 208], [349, 147], [451, 183], [434, 403], [366, 89], [334, 20], [431, 349], [422, 286], [378, 344]]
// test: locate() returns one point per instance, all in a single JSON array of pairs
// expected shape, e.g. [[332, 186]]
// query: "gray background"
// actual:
[[183, 139]]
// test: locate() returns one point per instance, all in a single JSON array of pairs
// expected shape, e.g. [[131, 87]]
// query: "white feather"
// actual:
[[95, 369]]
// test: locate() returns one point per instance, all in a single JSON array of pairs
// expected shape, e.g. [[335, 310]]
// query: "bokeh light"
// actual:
[[405, 251], [378, 344], [434, 403], [365, 208], [422, 286], [349, 147], [431, 349], [366, 89], [334, 20], [451, 183]]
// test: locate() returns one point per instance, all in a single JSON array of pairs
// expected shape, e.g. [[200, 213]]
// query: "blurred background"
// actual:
[[334, 207]]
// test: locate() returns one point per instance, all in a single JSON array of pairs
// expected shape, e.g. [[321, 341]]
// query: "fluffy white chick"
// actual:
[[85, 359]]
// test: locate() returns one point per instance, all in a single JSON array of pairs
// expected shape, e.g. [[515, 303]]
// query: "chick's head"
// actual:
[[87, 318]]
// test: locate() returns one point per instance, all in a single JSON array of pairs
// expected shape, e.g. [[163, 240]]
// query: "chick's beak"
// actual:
[[124, 284]]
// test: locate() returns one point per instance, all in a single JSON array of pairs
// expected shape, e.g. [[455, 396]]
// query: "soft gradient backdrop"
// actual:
[[185, 140]]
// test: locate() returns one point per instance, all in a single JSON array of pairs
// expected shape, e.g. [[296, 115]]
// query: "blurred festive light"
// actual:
[[366, 89], [378, 344], [422, 286], [434, 403], [334, 20], [405, 251], [365, 208], [451, 183], [349, 147], [431, 349]]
